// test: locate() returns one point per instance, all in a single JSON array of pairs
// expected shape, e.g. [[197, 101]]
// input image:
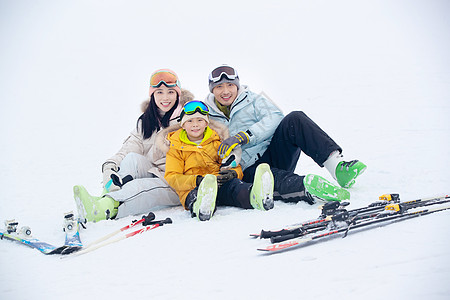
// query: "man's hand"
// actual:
[[225, 148]]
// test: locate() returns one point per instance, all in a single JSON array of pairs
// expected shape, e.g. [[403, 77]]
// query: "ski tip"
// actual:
[[58, 250], [268, 250], [70, 250]]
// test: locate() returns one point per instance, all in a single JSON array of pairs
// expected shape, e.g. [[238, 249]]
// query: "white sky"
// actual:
[[84, 52]]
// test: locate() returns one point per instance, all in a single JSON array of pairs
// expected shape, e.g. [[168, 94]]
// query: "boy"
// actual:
[[193, 168]]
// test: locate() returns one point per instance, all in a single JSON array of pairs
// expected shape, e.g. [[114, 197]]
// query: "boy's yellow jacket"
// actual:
[[185, 160]]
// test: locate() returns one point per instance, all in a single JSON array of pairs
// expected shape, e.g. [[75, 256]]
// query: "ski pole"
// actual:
[[152, 225], [149, 217], [396, 210], [332, 211], [396, 217]]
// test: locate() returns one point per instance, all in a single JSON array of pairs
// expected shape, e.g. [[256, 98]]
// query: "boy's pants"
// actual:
[[234, 192]]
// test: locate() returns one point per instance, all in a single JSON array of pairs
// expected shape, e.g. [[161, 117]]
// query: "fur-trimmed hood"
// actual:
[[162, 142], [184, 97]]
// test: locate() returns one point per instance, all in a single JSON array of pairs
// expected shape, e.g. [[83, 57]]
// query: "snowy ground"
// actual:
[[374, 75]]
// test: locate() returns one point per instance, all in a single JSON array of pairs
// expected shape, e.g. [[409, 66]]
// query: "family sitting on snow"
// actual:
[[234, 149]]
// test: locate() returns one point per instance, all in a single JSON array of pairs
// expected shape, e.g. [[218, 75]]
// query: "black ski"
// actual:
[[335, 211], [343, 227]]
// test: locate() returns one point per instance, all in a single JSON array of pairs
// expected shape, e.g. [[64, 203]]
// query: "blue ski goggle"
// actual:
[[194, 106]]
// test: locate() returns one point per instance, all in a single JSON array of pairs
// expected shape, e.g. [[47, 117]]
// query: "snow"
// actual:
[[373, 74]]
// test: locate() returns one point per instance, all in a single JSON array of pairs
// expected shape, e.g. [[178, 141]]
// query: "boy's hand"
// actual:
[[225, 148], [198, 180], [225, 175]]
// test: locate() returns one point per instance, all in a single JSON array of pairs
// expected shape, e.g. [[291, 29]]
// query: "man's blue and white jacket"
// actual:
[[253, 113]]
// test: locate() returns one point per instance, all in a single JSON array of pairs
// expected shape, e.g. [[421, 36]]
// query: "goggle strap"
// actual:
[[199, 110], [165, 83]]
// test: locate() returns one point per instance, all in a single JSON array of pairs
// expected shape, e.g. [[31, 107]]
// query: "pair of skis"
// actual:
[[72, 244], [23, 235], [148, 222], [335, 220]]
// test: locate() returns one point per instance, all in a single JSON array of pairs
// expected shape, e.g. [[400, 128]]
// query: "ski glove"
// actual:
[[225, 176], [110, 169], [198, 180], [225, 148], [229, 162]]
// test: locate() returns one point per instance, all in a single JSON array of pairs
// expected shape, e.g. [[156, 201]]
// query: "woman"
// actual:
[[133, 179]]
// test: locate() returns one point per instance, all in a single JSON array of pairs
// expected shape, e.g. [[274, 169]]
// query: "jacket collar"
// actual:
[[215, 110], [184, 138]]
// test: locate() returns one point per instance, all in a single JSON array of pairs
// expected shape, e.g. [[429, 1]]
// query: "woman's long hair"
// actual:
[[152, 121]]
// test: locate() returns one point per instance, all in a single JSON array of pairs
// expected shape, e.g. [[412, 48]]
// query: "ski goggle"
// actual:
[[164, 77], [194, 106], [218, 72]]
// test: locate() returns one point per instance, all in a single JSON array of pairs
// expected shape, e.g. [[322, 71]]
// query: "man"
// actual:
[[266, 136]]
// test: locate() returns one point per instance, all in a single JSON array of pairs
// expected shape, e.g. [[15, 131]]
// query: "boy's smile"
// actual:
[[195, 128]]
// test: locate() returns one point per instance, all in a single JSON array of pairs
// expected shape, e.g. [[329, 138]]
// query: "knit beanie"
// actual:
[[167, 77], [221, 75], [194, 115]]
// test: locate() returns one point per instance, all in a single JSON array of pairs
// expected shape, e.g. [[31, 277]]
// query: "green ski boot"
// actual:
[[261, 194], [205, 204], [347, 171], [92, 208], [320, 188]]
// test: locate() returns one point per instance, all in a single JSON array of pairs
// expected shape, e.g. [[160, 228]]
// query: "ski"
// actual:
[[310, 227], [147, 222], [388, 217], [345, 216], [334, 211], [72, 240], [24, 236]]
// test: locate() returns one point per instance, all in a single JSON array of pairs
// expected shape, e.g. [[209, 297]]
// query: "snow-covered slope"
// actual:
[[373, 75]]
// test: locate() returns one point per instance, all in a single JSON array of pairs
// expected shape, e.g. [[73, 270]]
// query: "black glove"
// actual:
[[198, 180], [225, 176], [120, 181]]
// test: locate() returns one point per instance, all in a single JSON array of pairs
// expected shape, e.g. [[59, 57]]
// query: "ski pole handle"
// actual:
[[165, 221], [278, 239], [160, 222], [269, 234], [148, 218]]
